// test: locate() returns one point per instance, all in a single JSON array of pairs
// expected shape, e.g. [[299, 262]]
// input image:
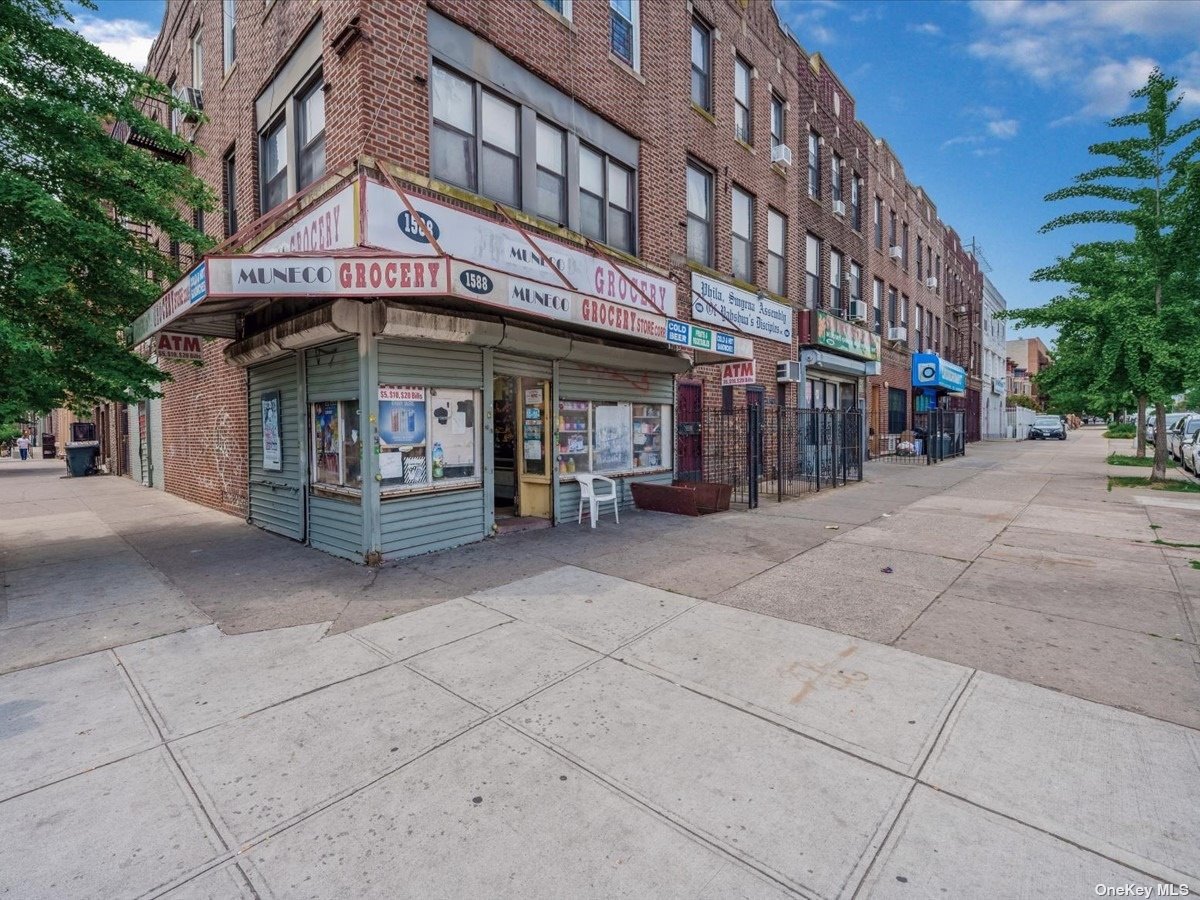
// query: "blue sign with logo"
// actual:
[[931, 371], [198, 284]]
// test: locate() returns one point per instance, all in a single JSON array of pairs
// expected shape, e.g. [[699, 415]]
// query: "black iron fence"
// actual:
[[934, 436], [774, 453]]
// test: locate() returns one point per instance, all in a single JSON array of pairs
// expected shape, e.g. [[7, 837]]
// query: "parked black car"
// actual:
[[1047, 427]]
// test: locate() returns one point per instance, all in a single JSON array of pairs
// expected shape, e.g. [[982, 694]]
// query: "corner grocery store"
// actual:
[[421, 373]]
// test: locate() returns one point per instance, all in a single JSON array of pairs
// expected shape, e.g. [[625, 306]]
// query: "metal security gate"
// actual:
[[775, 453]]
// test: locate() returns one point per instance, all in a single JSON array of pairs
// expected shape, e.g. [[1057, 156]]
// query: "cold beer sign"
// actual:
[[734, 373]]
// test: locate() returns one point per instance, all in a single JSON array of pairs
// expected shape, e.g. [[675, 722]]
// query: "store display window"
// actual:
[[602, 437], [336, 444], [429, 437]]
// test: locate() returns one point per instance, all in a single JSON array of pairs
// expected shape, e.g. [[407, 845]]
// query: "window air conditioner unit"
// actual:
[[858, 310], [895, 252], [931, 283], [781, 154], [962, 309], [787, 370], [839, 208], [898, 333], [193, 97]]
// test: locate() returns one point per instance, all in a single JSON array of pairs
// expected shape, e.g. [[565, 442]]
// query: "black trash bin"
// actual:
[[49, 445], [81, 457]]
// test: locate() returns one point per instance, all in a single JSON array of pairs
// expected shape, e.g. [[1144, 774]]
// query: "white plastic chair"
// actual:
[[587, 491]]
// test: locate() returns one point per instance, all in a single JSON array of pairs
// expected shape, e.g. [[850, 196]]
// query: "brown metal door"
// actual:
[[687, 432]]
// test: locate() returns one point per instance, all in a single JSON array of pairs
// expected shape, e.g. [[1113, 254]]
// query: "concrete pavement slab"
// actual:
[[261, 771], [943, 847], [53, 553], [876, 702], [102, 576], [481, 566], [955, 537], [226, 882], [404, 636], [597, 610], [1114, 523], [1081, 544], [1117, 783], [62, 528], [444, 825], [122, 830], [823, 512], [923, 570], [985, 508], [66, 717], [504, 664], [721, 773], [873, 608], [1151, 675], [1090, 593], [1148, 571], [697, 574], [199, 678], [51, 640]]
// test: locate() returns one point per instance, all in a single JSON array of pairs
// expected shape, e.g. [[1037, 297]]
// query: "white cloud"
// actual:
[[1003, 128], [125, 39], [930, 28], [807, 20], [1098, 50], [962, 139]]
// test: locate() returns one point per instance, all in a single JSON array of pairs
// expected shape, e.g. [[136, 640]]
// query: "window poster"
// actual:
[[612, 446], [402, 416], [327, 441], [272, 444]]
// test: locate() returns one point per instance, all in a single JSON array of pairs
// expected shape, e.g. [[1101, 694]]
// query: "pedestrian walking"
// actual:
[[23, 446]]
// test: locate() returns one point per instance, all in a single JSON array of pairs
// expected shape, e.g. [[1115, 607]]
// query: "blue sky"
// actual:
[[991, 104]]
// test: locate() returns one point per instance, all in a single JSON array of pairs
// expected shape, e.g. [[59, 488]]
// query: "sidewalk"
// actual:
[[558, 729]]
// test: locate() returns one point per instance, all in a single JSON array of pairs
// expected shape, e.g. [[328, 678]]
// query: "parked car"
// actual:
[[1187, 452], [1047, 427], [1183, 430], [1172, 419]]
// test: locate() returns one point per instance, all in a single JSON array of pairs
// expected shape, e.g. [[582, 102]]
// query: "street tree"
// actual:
[[72, 273], [1146, 297]]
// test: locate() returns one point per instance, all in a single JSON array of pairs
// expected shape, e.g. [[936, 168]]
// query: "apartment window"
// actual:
[[814, 165], [453, 128], [776, 252], [197, 60], [893, 303], [938, 272], [877, 304], [552, 172], [855, 286], [856, 202], [920, 259], [623, 31], [229, 189], [878, 224], [929, 260], [229, 32], [173, 115], [904, 310], [904, 247], [273, 156], [500, 150], [929, 332], [700, 215], [937, 334], [310, 135], [620, 206], [742, 235], [701, 65], [917, 319], [835, 282], [741, 100], [836, 176], [778, 121], [812, 271], [562, 7]]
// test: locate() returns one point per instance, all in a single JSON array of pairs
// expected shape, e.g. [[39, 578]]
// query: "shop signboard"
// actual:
[[721, 303], [189, 290], [547, 302], [169, 345], [931, 371], [735, 373], [505, 248], [997, 385], [840, 335], [315, 276], [330, 225]]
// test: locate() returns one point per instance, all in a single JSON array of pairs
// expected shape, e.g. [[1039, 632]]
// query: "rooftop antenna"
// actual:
[[976, 251]]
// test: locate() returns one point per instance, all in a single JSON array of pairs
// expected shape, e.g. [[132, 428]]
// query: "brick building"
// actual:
[[457, 274]]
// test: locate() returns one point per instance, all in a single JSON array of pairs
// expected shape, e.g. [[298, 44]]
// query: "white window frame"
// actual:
[[198, 58], [837, 267], [566, 10], [229, 34], [777, 225], [812, 271], [778, 118], [710, 179], [705, 71], [635, 24], [735, 235], [743, 107]]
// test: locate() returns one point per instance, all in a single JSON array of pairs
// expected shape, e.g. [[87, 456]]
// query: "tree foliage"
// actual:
[[1129, 323], [71, 273]]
